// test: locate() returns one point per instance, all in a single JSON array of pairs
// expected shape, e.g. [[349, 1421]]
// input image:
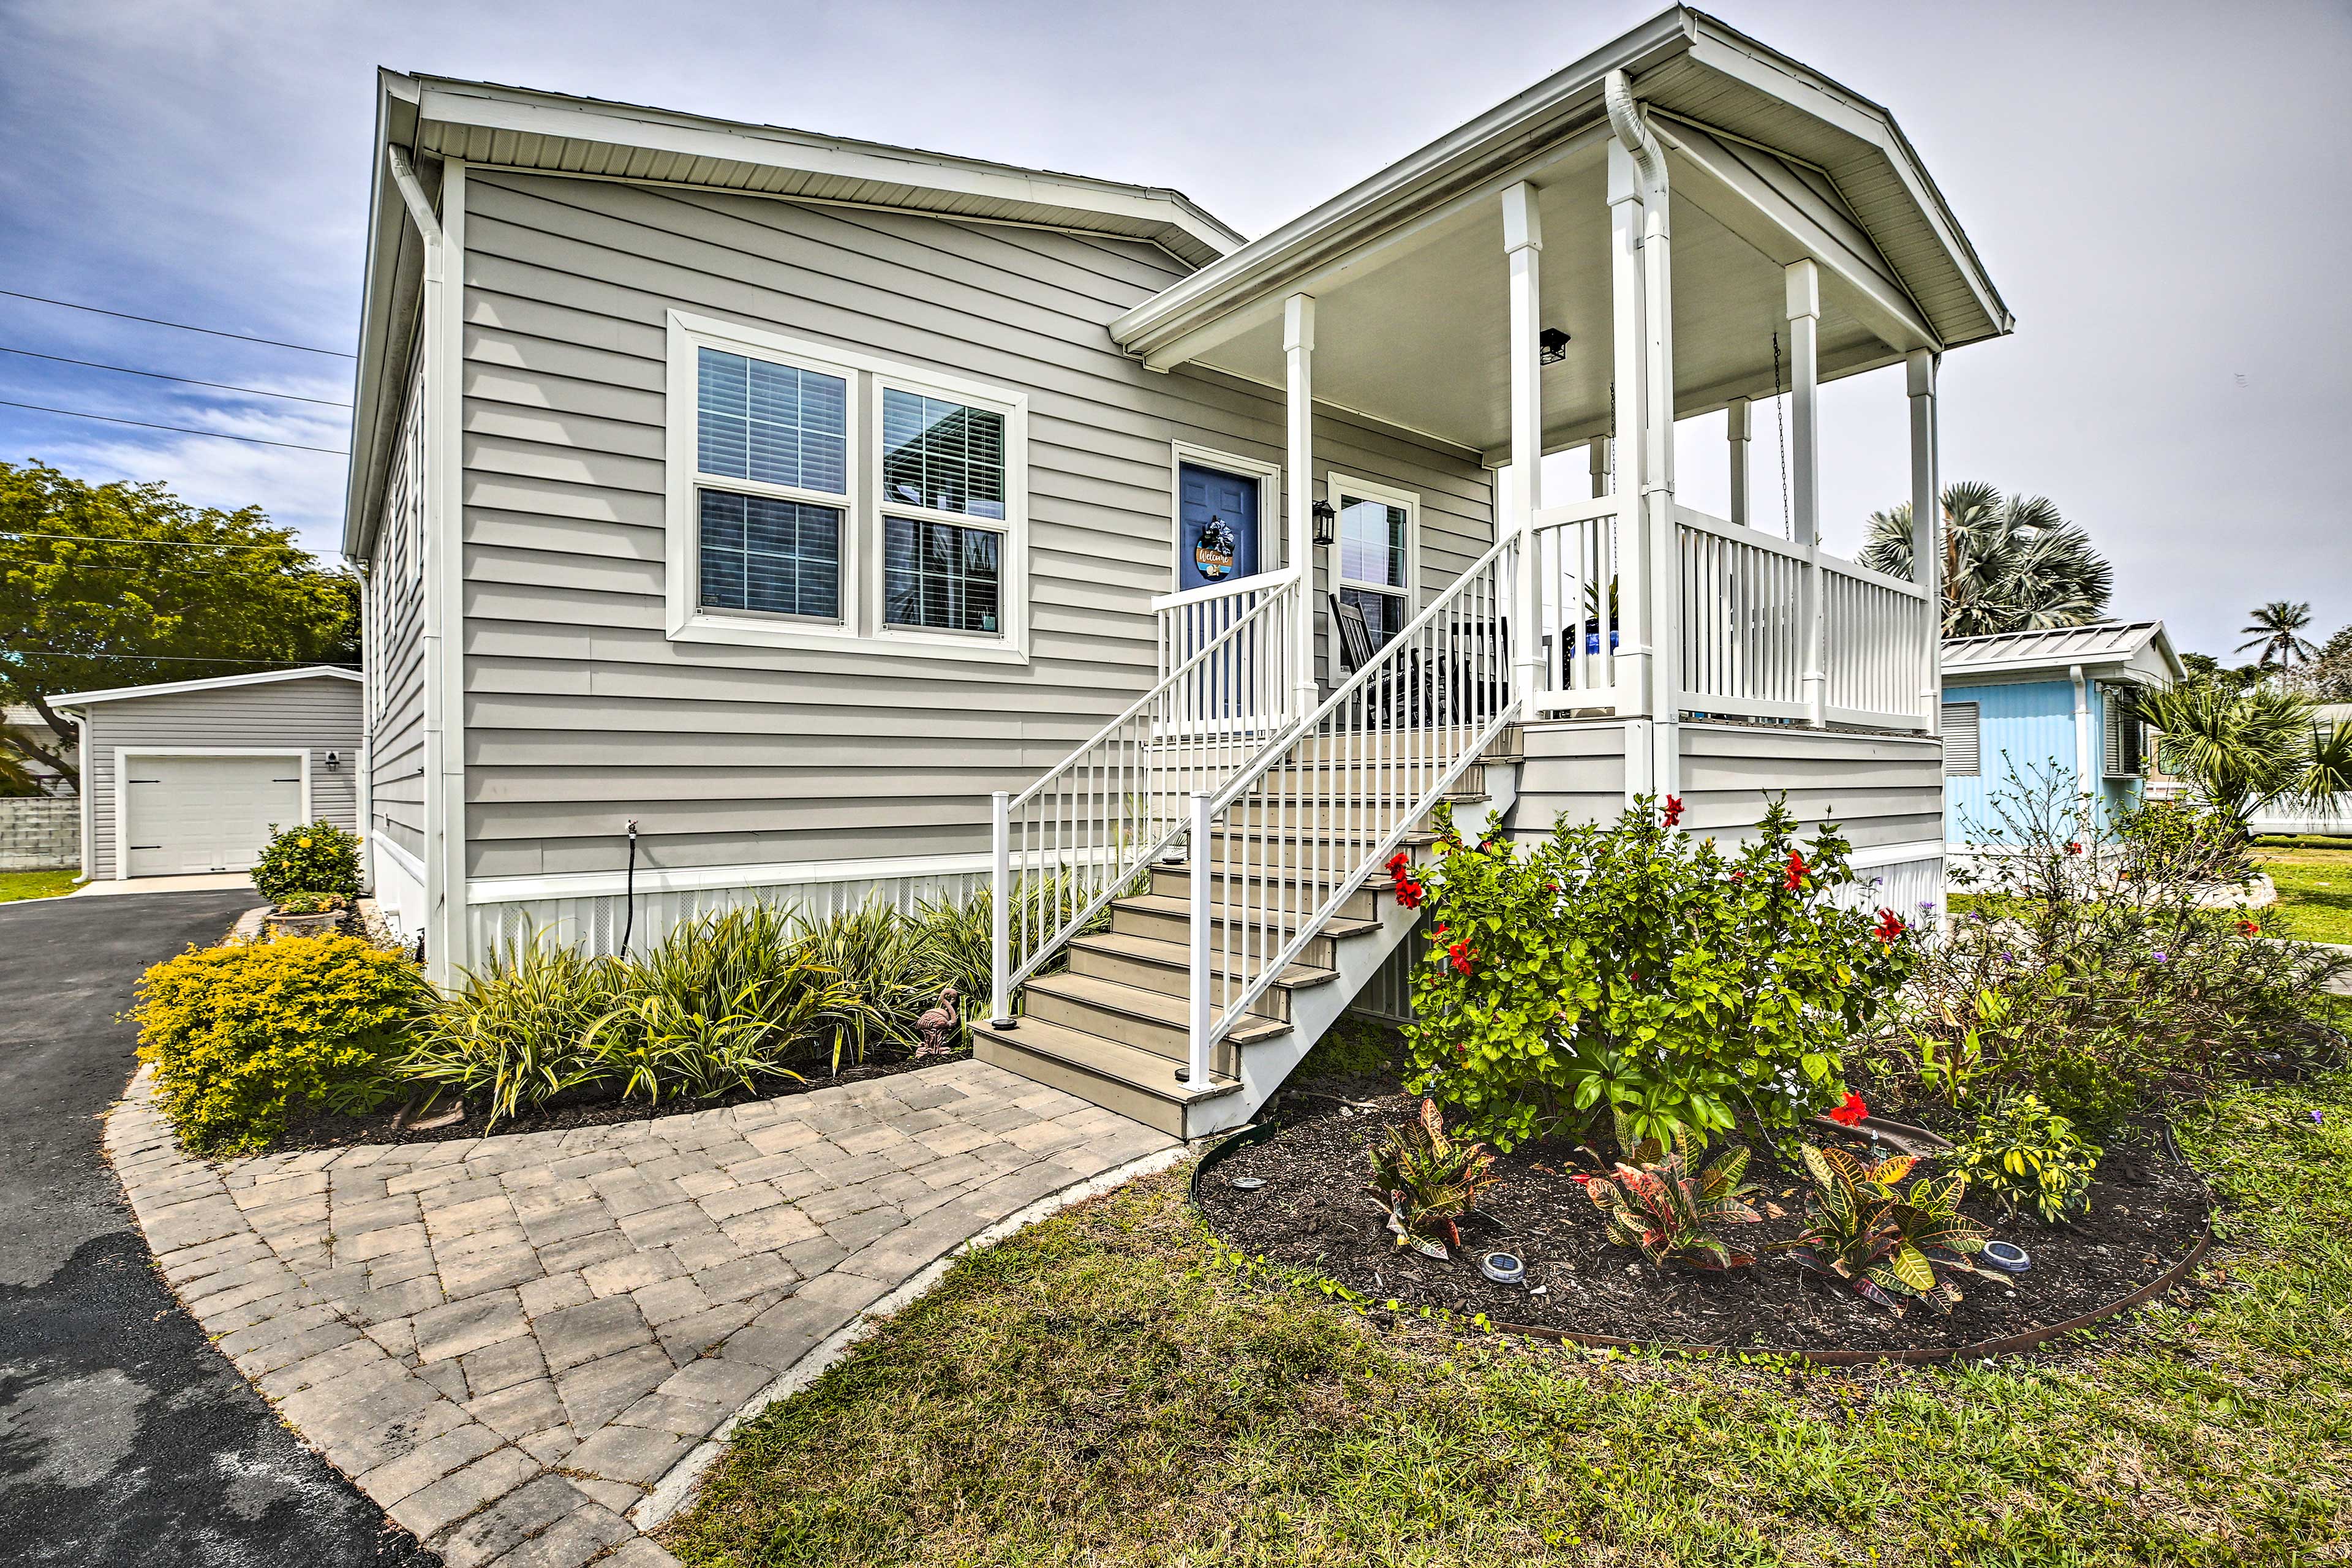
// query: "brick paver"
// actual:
[[506, 1341]]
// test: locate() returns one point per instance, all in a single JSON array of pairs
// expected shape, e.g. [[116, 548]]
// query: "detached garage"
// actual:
[[186, 777]]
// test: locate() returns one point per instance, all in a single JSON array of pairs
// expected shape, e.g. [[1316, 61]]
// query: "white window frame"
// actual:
[[1273, 543], [1337, 489], [860, 625]]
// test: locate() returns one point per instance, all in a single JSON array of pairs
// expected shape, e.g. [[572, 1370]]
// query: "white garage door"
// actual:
[[206, 813]]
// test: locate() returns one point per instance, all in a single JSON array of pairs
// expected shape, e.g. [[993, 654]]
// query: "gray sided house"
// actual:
[[751, 513], [189, 776]]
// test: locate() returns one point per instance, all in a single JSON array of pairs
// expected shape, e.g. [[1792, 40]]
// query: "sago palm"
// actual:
[[2277, 630], [2010, 565]]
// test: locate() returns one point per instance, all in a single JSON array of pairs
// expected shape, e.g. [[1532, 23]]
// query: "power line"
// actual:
[[183, 380], [167, 657], [183, 429], [183, 326], [176, 544]]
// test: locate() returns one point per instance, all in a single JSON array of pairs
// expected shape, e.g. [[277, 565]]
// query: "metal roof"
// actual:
[[2098, 643]]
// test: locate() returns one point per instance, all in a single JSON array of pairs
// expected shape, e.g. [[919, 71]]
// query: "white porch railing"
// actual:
[[1579, 597], [1085, 829], [1254, 688], [1743, 611], [1278, 848]]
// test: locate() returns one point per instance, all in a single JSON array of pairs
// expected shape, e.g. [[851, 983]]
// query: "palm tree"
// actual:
[[2010, 566], [2277, 630], [2244, 749]]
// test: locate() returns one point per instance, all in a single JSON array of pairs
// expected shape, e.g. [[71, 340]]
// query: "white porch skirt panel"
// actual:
[[398, 879], [595, 922], [1899, 877]]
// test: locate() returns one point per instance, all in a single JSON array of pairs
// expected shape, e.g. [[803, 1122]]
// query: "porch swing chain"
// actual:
[[1781, 425]]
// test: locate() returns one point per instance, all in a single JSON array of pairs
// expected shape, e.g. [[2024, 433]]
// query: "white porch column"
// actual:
[[1654, 522], [1628, 451], [1804, 467], [1927, 534], [1735, 426], [1597, 463], [1299, 350], [1523, 245]]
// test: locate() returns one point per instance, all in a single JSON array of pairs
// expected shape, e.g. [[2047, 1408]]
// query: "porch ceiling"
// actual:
[[1423, 342]]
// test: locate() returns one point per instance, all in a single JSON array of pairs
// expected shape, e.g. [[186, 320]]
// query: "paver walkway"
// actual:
[[509, 1340]]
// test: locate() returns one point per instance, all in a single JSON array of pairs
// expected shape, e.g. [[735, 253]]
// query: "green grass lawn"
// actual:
[[1102, 1389], [14, 885], [2314, 878]]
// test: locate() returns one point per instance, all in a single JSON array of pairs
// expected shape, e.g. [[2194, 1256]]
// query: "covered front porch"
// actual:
[[1619, 250]]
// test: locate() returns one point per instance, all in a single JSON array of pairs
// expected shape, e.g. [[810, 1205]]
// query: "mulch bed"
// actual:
[[581, 1108], [2147, 1210]]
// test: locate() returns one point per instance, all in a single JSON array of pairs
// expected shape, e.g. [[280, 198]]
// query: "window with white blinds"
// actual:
[[1963, 748], [2122, 743], [817, 497]]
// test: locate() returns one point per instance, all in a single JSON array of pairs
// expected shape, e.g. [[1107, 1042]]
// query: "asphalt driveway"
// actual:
[[125, 1437]]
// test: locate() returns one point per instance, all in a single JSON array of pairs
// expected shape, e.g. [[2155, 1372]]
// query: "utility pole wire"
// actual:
[[183, 326]]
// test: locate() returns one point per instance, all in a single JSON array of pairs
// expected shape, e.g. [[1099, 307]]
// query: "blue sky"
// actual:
[[2160, 191]]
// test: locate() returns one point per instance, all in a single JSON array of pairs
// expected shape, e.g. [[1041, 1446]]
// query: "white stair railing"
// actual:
[[1288, 837], [1066, 846]]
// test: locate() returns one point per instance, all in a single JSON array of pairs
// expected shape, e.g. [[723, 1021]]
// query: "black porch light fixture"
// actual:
[[1324, 520], [1551, 345]]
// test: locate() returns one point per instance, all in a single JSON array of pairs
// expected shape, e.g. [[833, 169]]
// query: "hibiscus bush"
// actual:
[[1634, 979]]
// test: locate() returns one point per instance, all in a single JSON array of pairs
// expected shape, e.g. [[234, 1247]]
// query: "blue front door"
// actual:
[[1216, 539]]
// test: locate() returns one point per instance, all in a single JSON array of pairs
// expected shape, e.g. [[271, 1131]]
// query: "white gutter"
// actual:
[[2081, 730], [444, 881]]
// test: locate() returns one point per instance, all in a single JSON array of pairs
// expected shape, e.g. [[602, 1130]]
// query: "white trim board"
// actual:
[[691, 878], [210, 683], [1270, 499], [123, 755]]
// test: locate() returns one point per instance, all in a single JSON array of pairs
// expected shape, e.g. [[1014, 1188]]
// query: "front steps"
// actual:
[[1111, 1027]]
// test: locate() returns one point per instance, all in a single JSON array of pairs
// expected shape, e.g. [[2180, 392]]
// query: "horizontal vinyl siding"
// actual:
[[1572, 769], [1879, 791], [395, 642], [318, 716], [580, 713]]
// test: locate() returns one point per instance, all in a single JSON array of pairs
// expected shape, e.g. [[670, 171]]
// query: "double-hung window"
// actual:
[[1376, 547], [818, 497]]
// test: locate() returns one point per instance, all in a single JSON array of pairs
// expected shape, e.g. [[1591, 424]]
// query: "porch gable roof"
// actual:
[[1690, 68]]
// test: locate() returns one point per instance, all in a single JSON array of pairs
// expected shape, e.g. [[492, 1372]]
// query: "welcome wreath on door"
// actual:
[[1212, 552]]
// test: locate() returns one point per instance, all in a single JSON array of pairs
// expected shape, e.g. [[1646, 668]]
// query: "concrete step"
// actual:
[[1122, 1079], [1145, 963], [1148, 1020]]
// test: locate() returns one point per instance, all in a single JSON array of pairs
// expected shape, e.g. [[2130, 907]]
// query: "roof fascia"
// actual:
[[523, 113], [1734, 55], [210, 683]]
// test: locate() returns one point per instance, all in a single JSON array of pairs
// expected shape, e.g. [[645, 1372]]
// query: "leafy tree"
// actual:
[[2277, 630], [2244, 749], [2010, 564], [2328, 678], [92, 595], [2205, 667]]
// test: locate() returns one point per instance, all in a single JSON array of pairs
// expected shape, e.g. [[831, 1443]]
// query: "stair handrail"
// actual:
[[1484, 582], [1125, 858]]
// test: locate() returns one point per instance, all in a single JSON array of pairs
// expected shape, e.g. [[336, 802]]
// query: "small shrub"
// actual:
[[309, 857], [511, 1036], [312, 903], [1861, 1231], [1634, 978], [1427, 1180], [658, 1047], [723, 1002], [240, 1034], [880, 956], [1670, 1214], [2029, 1156]]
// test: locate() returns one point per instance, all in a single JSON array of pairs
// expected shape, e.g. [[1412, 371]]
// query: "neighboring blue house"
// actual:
[[2022, 700]]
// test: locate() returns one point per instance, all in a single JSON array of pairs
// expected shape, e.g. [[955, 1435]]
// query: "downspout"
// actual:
[[82, 788], [442, 912], [1661, 590], [363, 784], [2081, 734]]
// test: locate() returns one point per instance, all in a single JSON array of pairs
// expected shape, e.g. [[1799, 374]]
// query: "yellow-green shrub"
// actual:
[[236, 1034]]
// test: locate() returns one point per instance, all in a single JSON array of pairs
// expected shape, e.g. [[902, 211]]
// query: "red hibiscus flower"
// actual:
[[2249, 928], [1398, 862], [1740, 876], [2074, 848], [1440, 930], [1674, 809], [1459, 955], [1796, 875], [1411, 893], [1852, 1111], [1890, 926]]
